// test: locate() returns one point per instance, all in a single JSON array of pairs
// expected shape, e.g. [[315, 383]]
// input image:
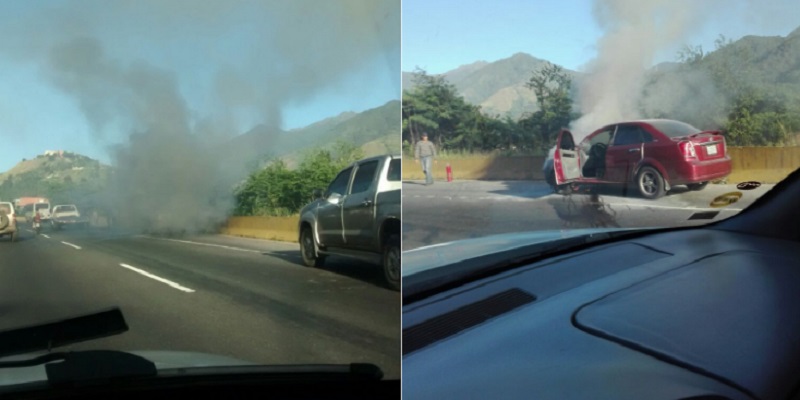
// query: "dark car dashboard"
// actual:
[[671, 316], [692, 313]]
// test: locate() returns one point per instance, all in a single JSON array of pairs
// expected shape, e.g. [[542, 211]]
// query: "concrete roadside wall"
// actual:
[[763, 164], [480, 167], [271, 228]]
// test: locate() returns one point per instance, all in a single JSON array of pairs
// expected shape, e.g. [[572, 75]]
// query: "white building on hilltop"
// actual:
[[59, 153]]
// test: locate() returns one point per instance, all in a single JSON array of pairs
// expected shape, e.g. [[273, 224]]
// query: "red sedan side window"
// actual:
[[627, 134], [631, 134]]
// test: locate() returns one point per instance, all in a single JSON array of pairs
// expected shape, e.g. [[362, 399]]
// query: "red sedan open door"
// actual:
[[565, 161]]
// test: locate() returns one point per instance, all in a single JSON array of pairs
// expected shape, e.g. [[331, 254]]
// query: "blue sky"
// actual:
[[309, 60], [441, 35]]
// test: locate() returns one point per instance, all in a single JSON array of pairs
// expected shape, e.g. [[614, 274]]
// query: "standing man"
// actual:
[[426, 151]]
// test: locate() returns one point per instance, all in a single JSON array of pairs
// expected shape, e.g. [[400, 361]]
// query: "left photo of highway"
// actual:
[[200, 192]]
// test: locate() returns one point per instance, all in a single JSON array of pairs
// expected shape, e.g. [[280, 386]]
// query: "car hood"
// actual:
[[164, 360], [438, 255]]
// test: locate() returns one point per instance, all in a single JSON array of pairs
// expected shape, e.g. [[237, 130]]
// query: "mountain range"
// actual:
[[499, 86], [74, 175], [375, 130], [771, 63]]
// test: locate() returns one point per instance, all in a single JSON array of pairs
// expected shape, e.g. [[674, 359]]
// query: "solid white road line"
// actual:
[[70, 244], [427, 247], [207, 244], [149, 275]]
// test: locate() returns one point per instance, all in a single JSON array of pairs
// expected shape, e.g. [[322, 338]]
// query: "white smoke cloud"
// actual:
[[166, 152], [636, 32]]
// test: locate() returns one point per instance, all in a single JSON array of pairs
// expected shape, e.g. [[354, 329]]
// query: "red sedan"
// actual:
[[654, 155]]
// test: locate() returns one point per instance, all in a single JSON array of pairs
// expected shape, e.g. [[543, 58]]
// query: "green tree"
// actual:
[[756, 119], [435, 107], [277, 190], [261, 194], [691, 55], [552, 87], [758, 114], [740, 87]]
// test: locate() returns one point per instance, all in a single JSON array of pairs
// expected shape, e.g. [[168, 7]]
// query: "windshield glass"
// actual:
[[189, 139], [481, 121]]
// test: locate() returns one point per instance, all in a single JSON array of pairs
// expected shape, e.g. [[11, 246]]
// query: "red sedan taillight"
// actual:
[[687, 149]]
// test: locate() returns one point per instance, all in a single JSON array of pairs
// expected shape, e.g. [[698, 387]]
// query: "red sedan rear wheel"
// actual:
[[650, 183]]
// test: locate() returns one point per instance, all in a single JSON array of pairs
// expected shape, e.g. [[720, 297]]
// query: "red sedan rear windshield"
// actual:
[[674, 129]]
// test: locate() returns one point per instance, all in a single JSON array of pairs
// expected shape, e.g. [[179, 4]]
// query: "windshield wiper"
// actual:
[[75, 366], [60, 333], [88, 365], [65, 368]]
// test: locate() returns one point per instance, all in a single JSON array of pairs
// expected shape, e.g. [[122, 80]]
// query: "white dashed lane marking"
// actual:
[[72, 245], [158, 278]]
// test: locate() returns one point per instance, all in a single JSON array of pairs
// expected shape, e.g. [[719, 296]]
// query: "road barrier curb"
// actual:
[[761, 164], [271, 228]]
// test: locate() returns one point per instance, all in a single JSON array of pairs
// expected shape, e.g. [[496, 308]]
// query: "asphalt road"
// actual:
[[243, 298], [447, 211]]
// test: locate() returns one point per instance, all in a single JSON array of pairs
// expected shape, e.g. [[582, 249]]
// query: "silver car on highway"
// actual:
[[8, 221]]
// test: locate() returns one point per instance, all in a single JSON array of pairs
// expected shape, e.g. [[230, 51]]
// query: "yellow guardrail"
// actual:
[[480, 167], [271, 228], [763, 164]]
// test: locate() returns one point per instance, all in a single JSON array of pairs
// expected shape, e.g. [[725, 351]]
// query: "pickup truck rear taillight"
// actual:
[[687, 149]]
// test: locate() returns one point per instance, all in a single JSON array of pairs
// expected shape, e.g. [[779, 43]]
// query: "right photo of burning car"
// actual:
[[600, 199]]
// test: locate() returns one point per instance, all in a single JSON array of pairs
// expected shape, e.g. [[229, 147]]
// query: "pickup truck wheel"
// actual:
[[310, 259], [391, 262]]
